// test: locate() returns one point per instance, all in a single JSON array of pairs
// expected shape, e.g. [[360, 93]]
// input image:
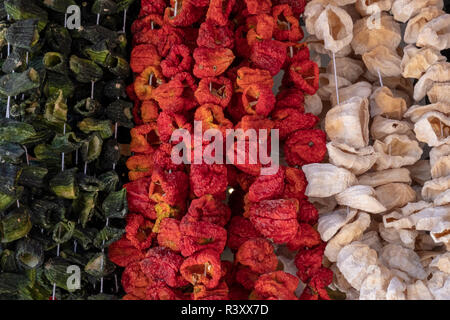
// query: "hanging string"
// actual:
[[176, 9], [124, 21], [102, 263], [291, 50], [335, 78], [8, 103], [98, 18], [62, 154], [379, 78]]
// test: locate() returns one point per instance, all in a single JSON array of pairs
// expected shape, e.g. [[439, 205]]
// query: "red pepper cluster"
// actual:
[[220, 73]]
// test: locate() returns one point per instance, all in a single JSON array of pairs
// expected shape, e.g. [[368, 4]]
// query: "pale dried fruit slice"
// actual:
[[433, 128], [428, 218], [383, 102], [361, 89], [438, 72], [313, 104], [440, 161], [396, 289], [330, 223], [382, 127], [416, 24], [335, 27], [442, 262], [312, 11], [357, 161], [436, 33], [327, 85], [416, 112], [403, 10], [439, 92], [431, 189], [403, 237], [379, 178], [395, 195], [354, 260], [396, 151], [369, 33], [362, 198], [418, 291], [406, 260], [348, 123], [416, 61], [439, 285], [442, 199], [348, 68], [317, 45], [349, 233], [367, 8], [384, 60], [415, 207], [319, 176]]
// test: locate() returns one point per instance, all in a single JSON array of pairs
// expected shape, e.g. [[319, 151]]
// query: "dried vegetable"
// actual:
[[385, 217], [63, 100], [221, 231]]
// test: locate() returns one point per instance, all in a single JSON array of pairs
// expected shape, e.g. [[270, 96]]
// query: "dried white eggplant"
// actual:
[[357, 161], [383, 60], [439, 92], [442, 262], [420, 171], [348, 123], [383, 102], [439, 285], [416, 112], [374, 287], [428, 218], [418, 291], [326, 180], [367, 35], [395, 195], [441, 232], [382, 127], [406, 260], [367, 8], [431, 189], [442, 199], [379, 178], [317, 45], [396, 151], [362, 198], [433, 128], [331, 222], [440, 161], [396, 289], [436, 33], [416, 61], [323, 205], [438, 72], [416, 24], [348, 68], [403, 10]]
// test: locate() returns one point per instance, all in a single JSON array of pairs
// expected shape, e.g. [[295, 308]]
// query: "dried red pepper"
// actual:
[[258, 6], [152, 6], [139, 166], [290, 98], [269, 55], [309, 261], [134, 281], [162, 158], [144, 138], [276, 285], [185, 14], [287, 26], [219, 11], [212, 62], [246, 277], [289, 120], [178, 60], [202, 268], [308, 212], [295, 185], [260, 28], [212, 117], [305, 75], [249, 76], [267, 187], [201, 292], [149, 111], [257, 254], [167, 123], [123, 252], [138, 200], [144, 56], [200, 235], [215, 36], [169, 235], [208, 209], [258, 99], [139, 231], [147, 82], [306, 237], [169, 187], [305, 146], [216, 91]]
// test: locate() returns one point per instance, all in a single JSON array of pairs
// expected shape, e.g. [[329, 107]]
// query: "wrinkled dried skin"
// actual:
[[432, 188], [383, 102], [379, 178], [416, 61], [384, 60], [416, 112], [416, 24], [428, 218], [403, 237], [357, 161], [436, 33], [433, 128], [368, 34], [348, 68], [395, 195], [420, 171], [372, 239], [327, 85], [440, 161], [396, 151], [374, 287], [319, 176], [403, 10], [313, 104], [442, 262], [382, 127], [367, 8], [348, 123], [318, 46], [439, 92], [406, 260], [334, 26], [362, 198], [312, 11], [354, 260], [330, 223], [439, 285], [438, 72], [361, 89], [349, 233]]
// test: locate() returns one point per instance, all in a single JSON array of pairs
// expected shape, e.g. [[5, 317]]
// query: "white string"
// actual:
[[26, 155], [98, 19], [379, 78], [335, 78], [151, 25], [124, 21], [62, 154], [75, 244], [92, 89], [291, 50], [150, 81], [76, 157], [103, 252], [8, 104], [65, 20], [176, 9]]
